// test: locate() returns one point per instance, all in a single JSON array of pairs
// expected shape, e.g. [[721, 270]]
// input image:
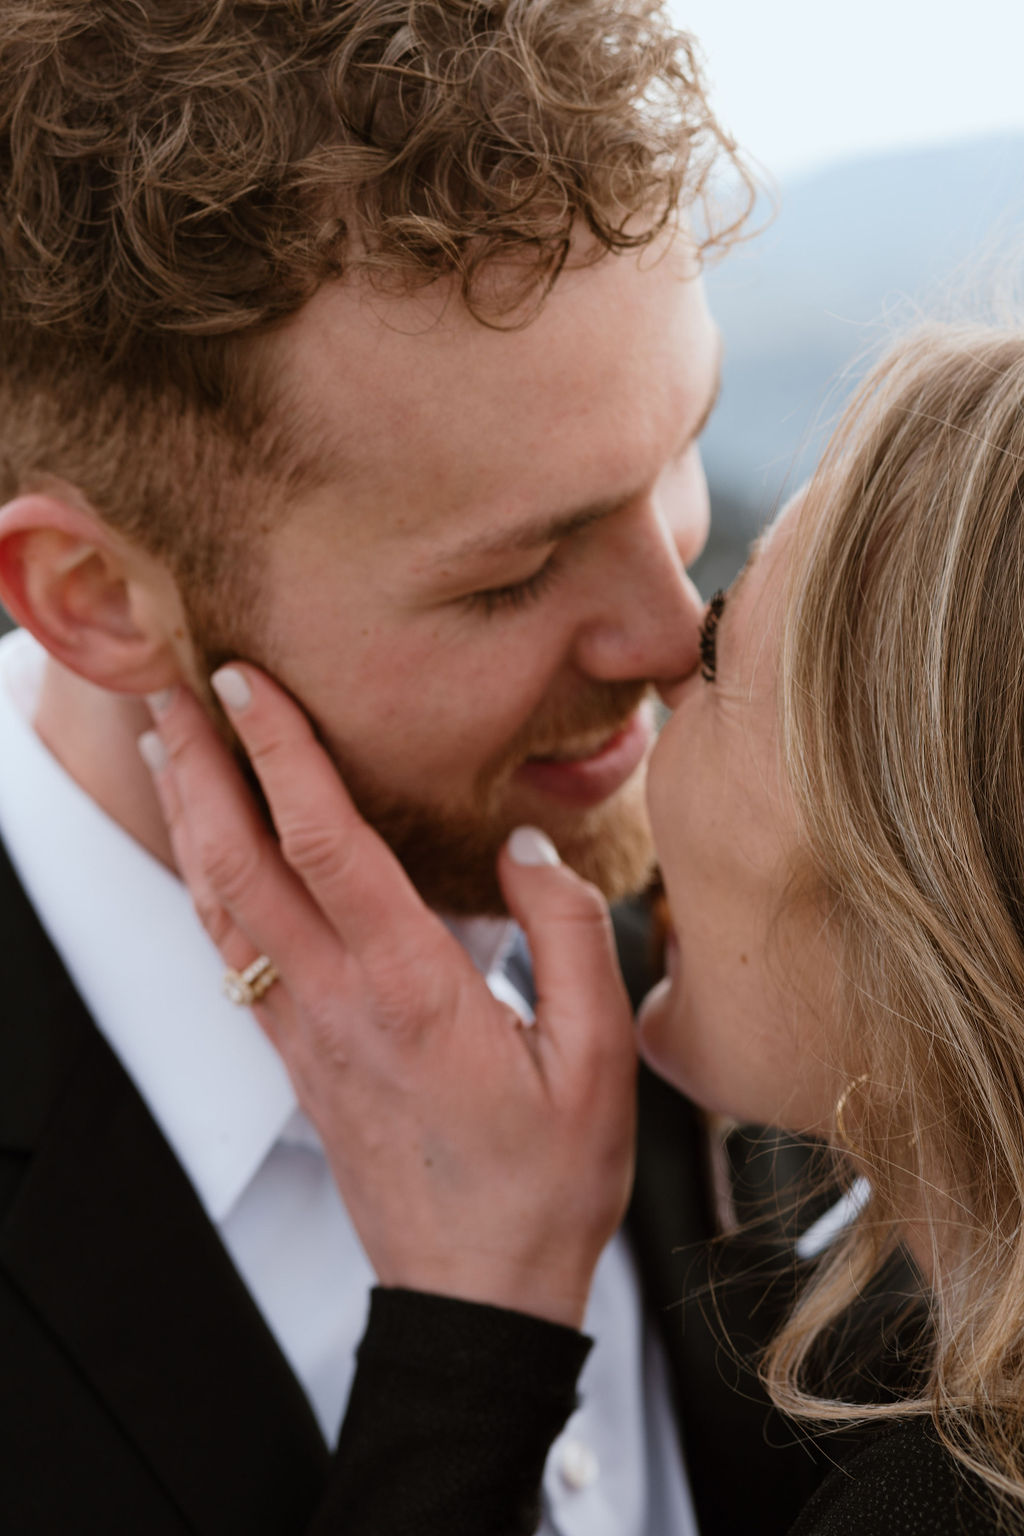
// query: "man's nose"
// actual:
[[646, 619]]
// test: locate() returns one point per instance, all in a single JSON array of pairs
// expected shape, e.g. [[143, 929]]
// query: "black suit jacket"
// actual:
[[140, 1390]]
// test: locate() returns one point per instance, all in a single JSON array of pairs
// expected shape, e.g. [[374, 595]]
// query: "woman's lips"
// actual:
[[586, 781]]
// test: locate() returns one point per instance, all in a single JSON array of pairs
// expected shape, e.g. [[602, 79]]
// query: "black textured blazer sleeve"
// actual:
[[452, 1412]]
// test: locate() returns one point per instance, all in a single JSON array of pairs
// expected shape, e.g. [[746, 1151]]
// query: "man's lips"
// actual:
[[587, 779]]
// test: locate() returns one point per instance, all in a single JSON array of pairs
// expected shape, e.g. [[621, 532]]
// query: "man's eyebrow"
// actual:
[[548, 530]]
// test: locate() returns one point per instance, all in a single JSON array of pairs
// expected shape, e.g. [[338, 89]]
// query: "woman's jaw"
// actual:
[[738, 1022]]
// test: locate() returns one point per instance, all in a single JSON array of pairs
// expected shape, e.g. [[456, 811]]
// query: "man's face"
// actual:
[[472, 605]]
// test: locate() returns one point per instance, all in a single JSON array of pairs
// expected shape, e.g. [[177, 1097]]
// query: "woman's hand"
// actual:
[[477, 1158]]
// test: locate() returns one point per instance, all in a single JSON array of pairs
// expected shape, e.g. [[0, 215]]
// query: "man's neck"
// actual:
[[93, 735]]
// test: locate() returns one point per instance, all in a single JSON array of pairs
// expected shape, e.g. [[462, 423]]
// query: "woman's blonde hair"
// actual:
[[902, 708]]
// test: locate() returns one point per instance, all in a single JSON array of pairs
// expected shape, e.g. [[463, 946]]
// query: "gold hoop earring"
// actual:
[[838, 1114]]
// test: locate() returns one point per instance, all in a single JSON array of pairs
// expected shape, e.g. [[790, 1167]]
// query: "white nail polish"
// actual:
[[231, 688], [528, 845], [153, 752]]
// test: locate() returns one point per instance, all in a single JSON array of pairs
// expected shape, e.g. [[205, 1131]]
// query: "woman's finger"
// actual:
[[227, 855], [581, 998], [236, 948], [354, 877], [233, 947]]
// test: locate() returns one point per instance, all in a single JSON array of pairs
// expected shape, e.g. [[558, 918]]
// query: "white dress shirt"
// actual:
[[126, 931]]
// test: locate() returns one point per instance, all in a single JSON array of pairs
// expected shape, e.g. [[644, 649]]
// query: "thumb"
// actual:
[[580, 991]]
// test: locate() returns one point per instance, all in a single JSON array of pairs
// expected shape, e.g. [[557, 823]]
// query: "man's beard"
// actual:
[[450, 851]]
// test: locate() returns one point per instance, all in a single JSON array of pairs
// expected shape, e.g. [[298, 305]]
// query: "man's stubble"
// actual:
[[450, 850]]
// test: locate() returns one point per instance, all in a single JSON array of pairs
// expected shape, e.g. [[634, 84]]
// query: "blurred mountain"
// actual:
[[853, 253]]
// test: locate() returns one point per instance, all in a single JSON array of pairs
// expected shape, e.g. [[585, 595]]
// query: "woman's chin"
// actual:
[[654, 1033], [667, 1035]]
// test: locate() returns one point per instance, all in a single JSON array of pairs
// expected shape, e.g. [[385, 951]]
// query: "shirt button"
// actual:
[[578, 1465]]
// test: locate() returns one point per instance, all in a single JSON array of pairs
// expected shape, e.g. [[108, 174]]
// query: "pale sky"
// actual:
[[803, 82]]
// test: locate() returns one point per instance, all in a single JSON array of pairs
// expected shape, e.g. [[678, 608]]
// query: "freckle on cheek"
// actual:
[[743, 960]]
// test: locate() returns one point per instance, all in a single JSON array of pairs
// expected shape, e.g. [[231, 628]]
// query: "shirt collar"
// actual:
[[151, 978], [127, 933], [488, 941]]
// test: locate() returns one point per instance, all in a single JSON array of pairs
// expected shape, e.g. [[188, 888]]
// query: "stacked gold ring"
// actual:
[[247, 987]]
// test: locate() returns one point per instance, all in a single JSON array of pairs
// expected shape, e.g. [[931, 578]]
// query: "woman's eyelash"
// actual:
[[708, 636], [518, 594]]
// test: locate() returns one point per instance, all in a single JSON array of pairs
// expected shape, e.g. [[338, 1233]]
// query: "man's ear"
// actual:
[[99, 605]]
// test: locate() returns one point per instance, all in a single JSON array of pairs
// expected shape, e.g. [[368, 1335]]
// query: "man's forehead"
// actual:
[[419, 406], [514, 535], [398, 344]]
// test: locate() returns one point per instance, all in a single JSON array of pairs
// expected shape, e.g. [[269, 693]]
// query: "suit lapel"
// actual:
[[108, 1243]]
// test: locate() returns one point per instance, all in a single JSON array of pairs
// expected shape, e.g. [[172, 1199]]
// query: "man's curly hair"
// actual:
[[178, 175]]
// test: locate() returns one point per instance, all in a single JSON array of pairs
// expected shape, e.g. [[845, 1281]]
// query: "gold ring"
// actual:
[[247, 987]]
